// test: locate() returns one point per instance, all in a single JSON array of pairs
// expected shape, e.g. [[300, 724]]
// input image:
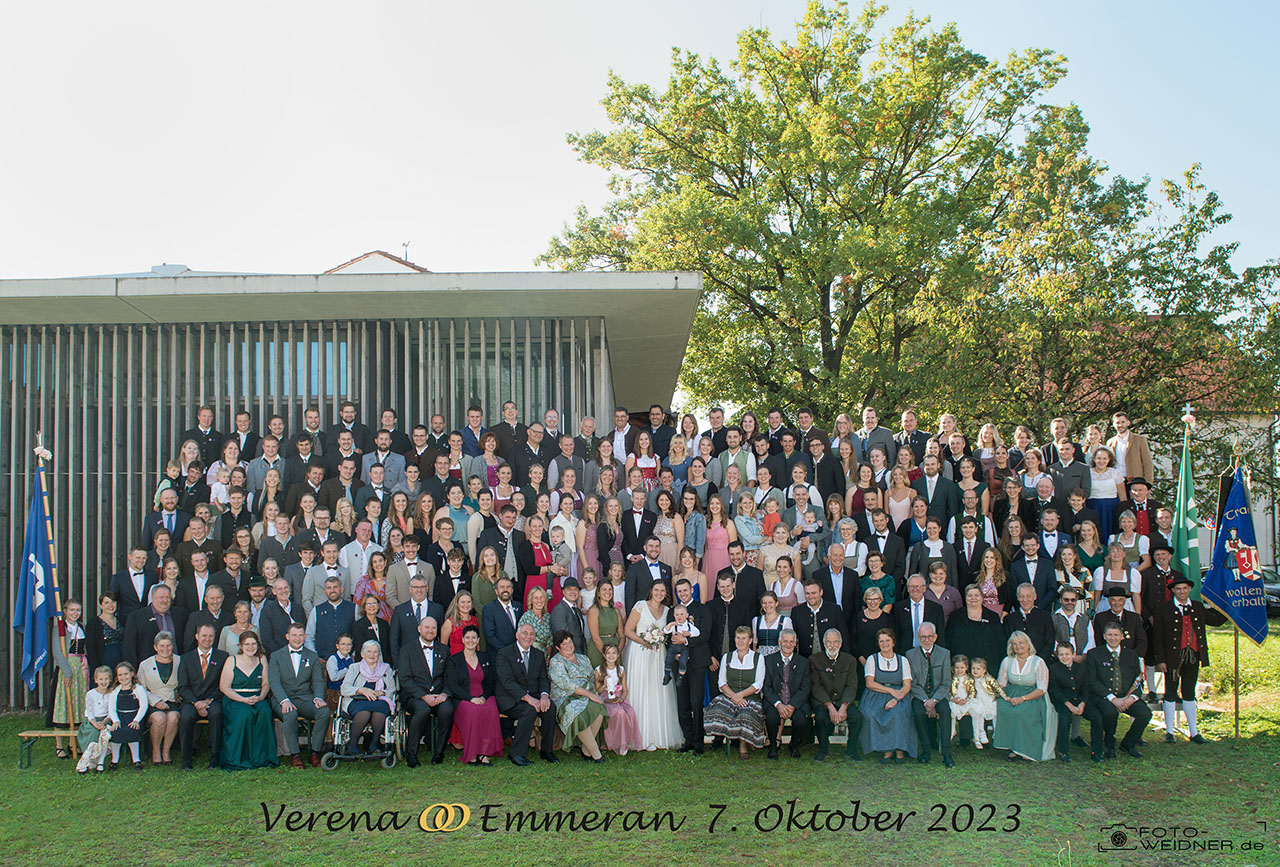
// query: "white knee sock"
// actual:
[[133, 751], [115, 753], [1151, 678], [1189, 708], [1170, 716]]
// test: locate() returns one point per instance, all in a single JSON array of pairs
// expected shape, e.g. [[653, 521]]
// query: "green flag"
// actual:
[[1186, 521]]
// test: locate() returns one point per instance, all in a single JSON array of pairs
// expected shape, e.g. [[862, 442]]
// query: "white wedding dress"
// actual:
[[655, 704]]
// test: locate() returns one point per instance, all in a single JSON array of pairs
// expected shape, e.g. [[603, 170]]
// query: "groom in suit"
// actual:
[[646, 572], [423, 692], [689, 691], [297, 680], [199, 677], [524, 695]]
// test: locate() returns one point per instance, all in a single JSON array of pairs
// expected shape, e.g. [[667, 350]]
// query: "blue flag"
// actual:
[[37, 599], [1233, 584]]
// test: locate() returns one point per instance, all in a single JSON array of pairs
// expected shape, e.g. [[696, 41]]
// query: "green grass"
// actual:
[[49, 815]]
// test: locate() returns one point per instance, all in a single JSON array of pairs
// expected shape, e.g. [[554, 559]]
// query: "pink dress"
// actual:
[[478, 727], [716, 554], [588, 553], [623, 731]]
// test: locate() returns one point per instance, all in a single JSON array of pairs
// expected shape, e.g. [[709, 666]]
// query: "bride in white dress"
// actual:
[[655, 704]]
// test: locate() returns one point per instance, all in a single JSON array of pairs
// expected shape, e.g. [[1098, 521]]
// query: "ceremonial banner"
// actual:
[[1233, 584], [1186, 521], [37, 598]]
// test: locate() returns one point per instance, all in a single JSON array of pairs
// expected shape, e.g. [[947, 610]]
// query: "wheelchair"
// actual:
[[340, 734]]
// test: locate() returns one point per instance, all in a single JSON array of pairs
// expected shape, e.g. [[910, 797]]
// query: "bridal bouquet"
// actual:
[[652, 637]]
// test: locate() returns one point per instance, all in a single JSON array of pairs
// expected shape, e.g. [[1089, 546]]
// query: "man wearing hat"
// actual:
[[1157, 590], [1180, 647], [1133, 633], [1140, 503], [569, 617], [257, 601]]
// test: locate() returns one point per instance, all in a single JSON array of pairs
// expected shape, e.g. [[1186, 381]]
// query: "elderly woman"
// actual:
[[579, 708], [736, 712], [159, 674], [469, 678], [1026, 723], [229, 640], [368, 696], [867, 624], [886, 710]]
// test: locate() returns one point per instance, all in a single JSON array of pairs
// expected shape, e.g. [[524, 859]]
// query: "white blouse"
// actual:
[[1105, 485], [752, 661], [888, 665], [1011, 664], [97, 704]]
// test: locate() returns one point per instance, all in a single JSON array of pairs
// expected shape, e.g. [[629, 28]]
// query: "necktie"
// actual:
[[968, 550], [417, 611], [915, 623], [1115, 672], [932, 482], [168, 521], [524, 660], [204, 664], [928, 675], [511, 614], [785, 692]]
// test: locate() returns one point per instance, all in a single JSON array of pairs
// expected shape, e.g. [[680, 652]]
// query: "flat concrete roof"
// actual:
[[648, 315]]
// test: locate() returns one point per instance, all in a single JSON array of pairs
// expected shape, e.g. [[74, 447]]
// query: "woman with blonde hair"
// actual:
[[344, 517], [842, 431], [678, 459]]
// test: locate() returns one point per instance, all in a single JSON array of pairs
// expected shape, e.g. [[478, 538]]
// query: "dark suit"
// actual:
[[274, 623], [154, 522], [141, 628], [362, 630], [404, 624], [296, 492], [798, 681], [1100, 667], [499, 631], [225, 618], [1038, 625], [194, 687], [946, 497], [417, 679], [1045, 583], [917, 441], [1167, 648], [689, 691], [894, 551], [210, 546], [1135, 633], [127, 595], [571, 619], [523, 457], [828, 476], [850, 597], [919, 560], [639, 580], [210, 443], [931, 730], [190, 596], [514, 683], [811, 626], [633, 540], [748, 585], [967, 568], [457, 677], [903, 622], [509, 436], [363, 440], [1072, 685], [726, 617], [190, 496]]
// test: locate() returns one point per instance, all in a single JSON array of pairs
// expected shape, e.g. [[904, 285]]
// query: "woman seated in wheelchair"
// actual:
[[368, 699]]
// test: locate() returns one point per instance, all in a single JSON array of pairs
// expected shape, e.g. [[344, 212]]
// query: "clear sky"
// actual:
[[289, 137]]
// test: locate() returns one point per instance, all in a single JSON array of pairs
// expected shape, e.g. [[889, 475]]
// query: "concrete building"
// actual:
[[112, 368]]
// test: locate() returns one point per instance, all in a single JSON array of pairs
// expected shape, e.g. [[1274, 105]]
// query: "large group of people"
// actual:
[[509, 587]]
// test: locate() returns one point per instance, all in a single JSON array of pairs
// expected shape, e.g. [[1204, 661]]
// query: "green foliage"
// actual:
[[898, 220]]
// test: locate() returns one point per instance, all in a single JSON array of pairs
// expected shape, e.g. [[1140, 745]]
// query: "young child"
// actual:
[[962, 693], [812, 526], [126, 709], [985, 691], [623, 732], [771, 516], [96, 718], [678, 654], [172, 479], [587, 596], [561, 553], [220, 491], [336, 670]]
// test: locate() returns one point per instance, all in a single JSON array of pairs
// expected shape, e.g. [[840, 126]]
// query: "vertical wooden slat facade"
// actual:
[[113, 400]]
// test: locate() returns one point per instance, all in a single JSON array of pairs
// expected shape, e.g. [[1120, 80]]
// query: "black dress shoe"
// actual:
[[697, 751], [1168, 738], [1079, 742], [520, 761], [1196, 739], [548, 757], [1064, 757], [437, 760], [795, 752], [1133, 751], [137, 766], [820, 756], [948, 761], [1097, 758], [412, 762], [1110, 753], [773, 753], [717, 742], [685, 748], [599, 761], [923, 758]]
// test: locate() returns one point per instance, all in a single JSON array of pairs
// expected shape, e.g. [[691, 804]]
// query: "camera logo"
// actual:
[[1118, 836]]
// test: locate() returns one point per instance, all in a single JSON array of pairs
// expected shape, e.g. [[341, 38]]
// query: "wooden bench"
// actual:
[[28, 740]]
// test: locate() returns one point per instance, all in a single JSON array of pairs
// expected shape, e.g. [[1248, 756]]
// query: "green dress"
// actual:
[[1029, 729], [248, 736], [541, 629], [1092, 563], [482, 593], [574, 713], [609, 631]]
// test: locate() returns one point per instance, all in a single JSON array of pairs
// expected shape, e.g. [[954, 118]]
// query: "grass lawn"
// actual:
[[48, 815]]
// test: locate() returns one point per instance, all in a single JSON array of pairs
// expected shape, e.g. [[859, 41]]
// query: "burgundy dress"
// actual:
[[477, 726]]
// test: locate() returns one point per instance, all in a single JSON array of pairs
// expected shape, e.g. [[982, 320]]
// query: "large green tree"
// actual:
[[900, 220]]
